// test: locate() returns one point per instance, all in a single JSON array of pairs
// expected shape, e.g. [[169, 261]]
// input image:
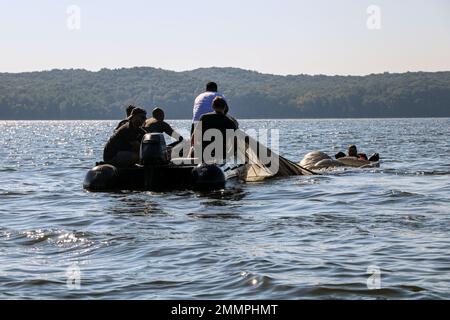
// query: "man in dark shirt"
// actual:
[[232, 118], [156, 124], [214, 120], [128, 111], [122, 149]]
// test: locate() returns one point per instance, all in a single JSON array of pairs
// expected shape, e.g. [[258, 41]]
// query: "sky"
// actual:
[[346, 37]]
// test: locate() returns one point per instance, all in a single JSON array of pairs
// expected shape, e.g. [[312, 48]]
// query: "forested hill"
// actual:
[[81, 94]]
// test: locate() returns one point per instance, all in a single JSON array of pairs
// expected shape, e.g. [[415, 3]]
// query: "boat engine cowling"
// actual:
[[154, 150], [208, 177], [102, 177]]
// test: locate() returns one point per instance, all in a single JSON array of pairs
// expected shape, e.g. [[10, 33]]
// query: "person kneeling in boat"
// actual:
[[219, 121], [122, 149], [128, 111], [156, 124]]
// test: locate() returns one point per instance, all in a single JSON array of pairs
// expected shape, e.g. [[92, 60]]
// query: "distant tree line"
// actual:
[[81, 94]]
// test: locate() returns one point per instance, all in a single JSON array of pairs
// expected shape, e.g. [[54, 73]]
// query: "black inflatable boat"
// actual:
[[156, 172]]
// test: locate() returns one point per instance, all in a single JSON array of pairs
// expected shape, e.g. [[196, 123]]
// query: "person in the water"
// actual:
[[122, 149], [353, 152], [156, 124], [128, 111], [214, 120]]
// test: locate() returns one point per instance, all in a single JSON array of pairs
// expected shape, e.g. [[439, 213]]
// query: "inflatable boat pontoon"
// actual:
[[156, 172]]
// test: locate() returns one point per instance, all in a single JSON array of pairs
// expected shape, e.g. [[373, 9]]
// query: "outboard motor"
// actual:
[[101, 178], [154, 150], [208, 177]]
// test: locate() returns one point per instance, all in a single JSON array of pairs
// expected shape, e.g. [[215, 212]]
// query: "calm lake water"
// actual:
[[307, 237]]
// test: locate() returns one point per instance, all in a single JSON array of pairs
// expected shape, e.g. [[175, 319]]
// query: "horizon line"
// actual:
[[216, 67], [250, 119]]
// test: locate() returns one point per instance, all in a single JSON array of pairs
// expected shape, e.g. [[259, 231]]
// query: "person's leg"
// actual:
[[125, 159], [193, 125]]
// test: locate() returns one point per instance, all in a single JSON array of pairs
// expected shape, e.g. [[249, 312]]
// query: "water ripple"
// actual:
[[295, 238]]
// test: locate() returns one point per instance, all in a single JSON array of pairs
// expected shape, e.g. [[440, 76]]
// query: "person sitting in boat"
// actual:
[[128, 110], [214, 120], [227, 109], [122, 149], [156, 124], [203, 102]]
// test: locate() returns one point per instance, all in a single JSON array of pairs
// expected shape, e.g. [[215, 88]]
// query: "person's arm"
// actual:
[[121, 123], [123, 140], [172, 133], [136, 139], [234, 121], [177, 136], [197, 130]]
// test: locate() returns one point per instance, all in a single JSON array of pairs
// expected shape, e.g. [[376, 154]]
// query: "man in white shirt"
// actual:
[[203, 102]]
